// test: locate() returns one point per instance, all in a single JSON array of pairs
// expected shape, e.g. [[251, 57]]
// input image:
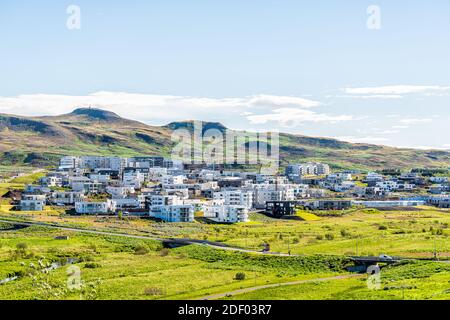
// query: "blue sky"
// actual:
[[307, 67]]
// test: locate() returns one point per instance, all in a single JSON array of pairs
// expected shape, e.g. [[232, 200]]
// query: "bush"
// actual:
[[319, 237], [153, 291], [92, 265], [22, 246], [382, 228], [329, 236], [345, 233], [239, 276], [141, 250], [164, 252]]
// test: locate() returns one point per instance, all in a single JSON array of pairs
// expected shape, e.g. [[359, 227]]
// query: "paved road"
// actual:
[[179, 241], [275, 285]]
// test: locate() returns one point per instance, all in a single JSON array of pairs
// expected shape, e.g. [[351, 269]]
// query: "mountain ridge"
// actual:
[[93, 131]]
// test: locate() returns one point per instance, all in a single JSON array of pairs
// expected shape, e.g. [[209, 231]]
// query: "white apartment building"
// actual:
[[170, 180], [173, 213], [69, 163], [127, 203], [374, 177], [309, 168], [272, 192], [67, 198], [118, 192], [133, 179], [235, 198], [165, 200], [32, 202], [85, 207], [220, 212]]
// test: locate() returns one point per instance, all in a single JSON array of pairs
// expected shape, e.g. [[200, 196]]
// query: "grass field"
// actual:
[[121, 268], [407, 233], [424, 280]]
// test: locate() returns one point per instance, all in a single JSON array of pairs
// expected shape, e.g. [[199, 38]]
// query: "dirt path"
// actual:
[[267, 286]]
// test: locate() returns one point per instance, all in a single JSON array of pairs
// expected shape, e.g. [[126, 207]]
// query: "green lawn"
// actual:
[[120, 273], [424, 280]]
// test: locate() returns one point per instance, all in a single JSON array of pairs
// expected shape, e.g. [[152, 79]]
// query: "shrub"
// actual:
[[345, 233], [319, 237], [164, 252], [382, 228], [239, 276], [329, 236], [153, 291], [141, 250], [22, 246], [92, 265]]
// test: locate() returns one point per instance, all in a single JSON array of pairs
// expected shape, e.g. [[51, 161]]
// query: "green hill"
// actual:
[[89, 131]]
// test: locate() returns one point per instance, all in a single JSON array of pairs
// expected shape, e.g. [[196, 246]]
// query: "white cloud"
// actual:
[[375, 96], [400, 127], [395, 90], [369, 139], [389, 132], [149, 107], [288, 117], [415, 120]]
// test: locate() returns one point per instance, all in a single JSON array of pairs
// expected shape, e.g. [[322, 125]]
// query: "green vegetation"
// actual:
[[111, 269], [411, 281]]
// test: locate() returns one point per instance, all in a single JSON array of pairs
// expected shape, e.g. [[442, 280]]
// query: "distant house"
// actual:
[[32, 202], [390, 203], [225, 213], [86, 207], [279, 209], [440, 201], [67, 198], [329, 204], [235, 198], [173, 213]]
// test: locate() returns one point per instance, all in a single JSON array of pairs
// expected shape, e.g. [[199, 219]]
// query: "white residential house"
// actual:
[[133, 179], [438, 179], [128, 203], [374, 177], [310, 168], [67, 198], [103, 178], [173, 213], [235, 198], [32, 202], [220, 212], [86, 207], [172, 179], [165, 200], [272, 192], [118, 192], [69, 163], [51, 181]]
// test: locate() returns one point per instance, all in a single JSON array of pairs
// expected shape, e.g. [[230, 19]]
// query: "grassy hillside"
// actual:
[[42, 140]]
